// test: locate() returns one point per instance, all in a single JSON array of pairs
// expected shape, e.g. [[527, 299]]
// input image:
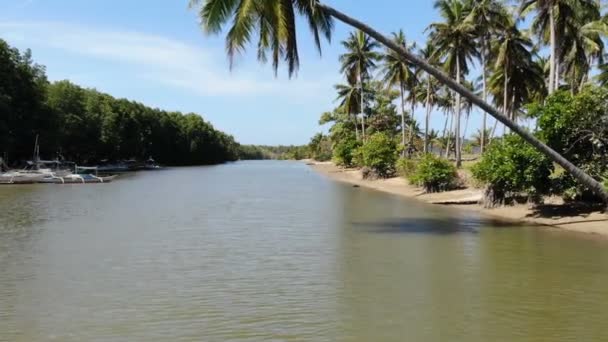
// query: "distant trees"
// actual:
[[86, 126]]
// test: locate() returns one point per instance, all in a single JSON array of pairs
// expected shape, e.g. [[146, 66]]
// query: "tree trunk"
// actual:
[[577, 173], [485, 92], [428, 116], [449, 137], [464, 133], [505, 92], [403, 141], [553, 54], [458, 115], [412, 122], [445, 127], [356, 127], [362, 106]]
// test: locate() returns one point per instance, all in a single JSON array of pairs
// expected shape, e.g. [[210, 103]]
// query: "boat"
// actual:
[[35, 171], [21, 177], [151, 165], [85, 175]]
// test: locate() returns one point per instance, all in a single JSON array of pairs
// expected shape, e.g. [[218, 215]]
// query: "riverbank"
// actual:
[[553, 213]]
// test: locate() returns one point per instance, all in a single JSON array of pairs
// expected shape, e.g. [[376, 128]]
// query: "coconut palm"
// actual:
[[349, 95], [274, 22], [583, 48], [516, 74], [359, 61], [602, 77], [430, 89], [432, 137], [488, 17], [552, 20], [397, 72], [454, 39]]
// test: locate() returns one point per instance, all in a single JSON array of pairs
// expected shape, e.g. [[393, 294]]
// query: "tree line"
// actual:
[[87, 126]]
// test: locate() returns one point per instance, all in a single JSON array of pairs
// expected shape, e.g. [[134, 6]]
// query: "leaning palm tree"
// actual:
[[359, 61], [488, 17], [274, 24], [454, 39], [397, 72]]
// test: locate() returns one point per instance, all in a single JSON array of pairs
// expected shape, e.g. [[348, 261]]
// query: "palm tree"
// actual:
[[516, 74], [275, 23], [432, 136], [553, 17], [431, 94], [602, 77], [488, 17], [349, 96], [454, 39], [358, 62], [397, 72], [479, 136]]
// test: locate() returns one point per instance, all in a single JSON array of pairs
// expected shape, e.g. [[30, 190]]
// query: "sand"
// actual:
[[553, 213]]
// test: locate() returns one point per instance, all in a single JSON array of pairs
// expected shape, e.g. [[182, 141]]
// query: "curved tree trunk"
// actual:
[[577, 173]]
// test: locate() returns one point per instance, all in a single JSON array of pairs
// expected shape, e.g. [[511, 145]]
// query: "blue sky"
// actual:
[[154, 52]]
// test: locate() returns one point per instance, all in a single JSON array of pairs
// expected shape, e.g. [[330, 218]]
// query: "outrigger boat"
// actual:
[[83, 175]]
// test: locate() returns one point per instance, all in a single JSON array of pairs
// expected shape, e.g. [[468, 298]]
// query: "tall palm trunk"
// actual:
[[362, 107], [428, 116], [445, 128], [450, 130], [356, 127], [458, 115], [412, 122], [464, 133], [403, 141], [577, 173], [505, 94], [484, 71], [553, 52]]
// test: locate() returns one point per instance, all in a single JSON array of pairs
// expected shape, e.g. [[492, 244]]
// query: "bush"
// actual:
[[344, 151], [434, 174], [379, 153], [405, 167], [576, 126], [512, 167]]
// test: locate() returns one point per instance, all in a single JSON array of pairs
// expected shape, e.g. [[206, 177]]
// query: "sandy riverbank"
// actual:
[[553, 213]]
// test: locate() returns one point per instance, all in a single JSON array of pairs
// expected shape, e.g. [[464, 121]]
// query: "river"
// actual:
[[272, 251]]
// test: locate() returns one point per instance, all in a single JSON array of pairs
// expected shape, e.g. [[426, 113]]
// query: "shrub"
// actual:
[[405, 167], [512, 167], [379, 153], [344, 151], [576, 126], [434, 174]]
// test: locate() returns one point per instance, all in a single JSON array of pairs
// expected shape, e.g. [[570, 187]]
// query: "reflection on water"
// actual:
[[271, 251]]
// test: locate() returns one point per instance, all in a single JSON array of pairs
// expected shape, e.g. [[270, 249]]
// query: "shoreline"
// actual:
[[552, 214]]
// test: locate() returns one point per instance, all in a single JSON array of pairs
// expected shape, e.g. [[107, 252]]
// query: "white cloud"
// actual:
[[169, 62]]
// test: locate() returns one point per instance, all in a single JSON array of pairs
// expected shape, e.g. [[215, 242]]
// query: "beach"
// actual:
[[552, 213]]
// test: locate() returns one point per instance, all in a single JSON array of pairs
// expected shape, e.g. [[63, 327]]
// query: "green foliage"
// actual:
[[512, 167], [434, 174], [406, 167], [344, 151], [280, 152], [320, 147], [85, 126], [577, 128], [379, 153]]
